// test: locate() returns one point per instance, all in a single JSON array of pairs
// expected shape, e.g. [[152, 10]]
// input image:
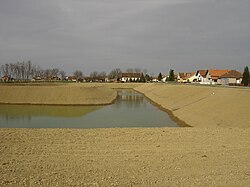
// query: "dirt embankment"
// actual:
[[65, 94], [202, 106]]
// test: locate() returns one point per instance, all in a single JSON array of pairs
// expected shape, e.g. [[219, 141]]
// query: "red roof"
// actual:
[[232, 74], [186, 75], [202, 72], [215, 73], [137, 75]]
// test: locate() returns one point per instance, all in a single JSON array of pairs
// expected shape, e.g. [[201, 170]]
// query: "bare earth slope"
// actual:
[[66, 94], [203, 106]]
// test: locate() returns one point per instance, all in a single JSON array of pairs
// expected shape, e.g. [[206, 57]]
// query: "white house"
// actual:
[[186, 77], [201, 76], [213, 75], [232, 77], [131, 77]]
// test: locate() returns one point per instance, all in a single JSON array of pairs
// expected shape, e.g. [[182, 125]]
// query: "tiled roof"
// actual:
[[215, 73], [186, 75], [202, 72], [232, 74], [71, 77], [137, 75]]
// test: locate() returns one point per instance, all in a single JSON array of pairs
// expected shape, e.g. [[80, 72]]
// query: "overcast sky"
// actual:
[[99, 35]]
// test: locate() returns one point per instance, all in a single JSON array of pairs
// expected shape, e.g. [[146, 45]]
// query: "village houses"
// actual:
[[186, 77], [212, 76]]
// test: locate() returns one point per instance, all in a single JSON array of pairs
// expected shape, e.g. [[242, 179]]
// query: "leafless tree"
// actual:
[[37, 71], [78, 74], [55, 73], [115, 73], [94, 75], [28, 67], [48, 74], [5, 70], [24, 71], [102, 76], [62, 74]]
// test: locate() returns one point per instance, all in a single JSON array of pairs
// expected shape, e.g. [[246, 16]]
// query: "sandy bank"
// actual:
[[202, 106], [125, 157], [65, 94]]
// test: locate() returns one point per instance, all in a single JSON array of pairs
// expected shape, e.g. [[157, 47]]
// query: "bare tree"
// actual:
[[24, 71], [62, 74], [102, 76], [115, 73], [94, 75], [48, 73], [78, 74], [55, 72], [18, 71], [5, 70], [28, 67], [37, 72]]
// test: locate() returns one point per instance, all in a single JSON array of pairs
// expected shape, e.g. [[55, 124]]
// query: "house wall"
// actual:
[[192, 79], [127, 79], [238, 81], [180, 80], [227, 81], [209, 79], [224, 81], [201, 79]]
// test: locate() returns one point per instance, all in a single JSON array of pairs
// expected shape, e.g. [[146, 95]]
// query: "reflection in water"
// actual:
[[45, 110], [18, 119], [130, 110], [130, 98]]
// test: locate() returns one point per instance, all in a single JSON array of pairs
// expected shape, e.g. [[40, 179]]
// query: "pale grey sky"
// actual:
[[99, 35]]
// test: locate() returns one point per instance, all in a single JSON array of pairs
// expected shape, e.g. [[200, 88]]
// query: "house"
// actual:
[[201, 76], [186, 77], [232, 77], [131, 77], [213, 75], [71, 78], [38, 78], [154, 79], [164, 78], [5, 78]]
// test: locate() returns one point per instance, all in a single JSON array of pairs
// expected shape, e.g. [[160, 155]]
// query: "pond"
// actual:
[[131, 109]]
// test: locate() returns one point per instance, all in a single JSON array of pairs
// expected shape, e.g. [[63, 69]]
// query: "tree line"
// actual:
[[25, 71]]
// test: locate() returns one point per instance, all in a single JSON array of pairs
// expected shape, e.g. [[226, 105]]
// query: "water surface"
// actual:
[[131, 109]]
